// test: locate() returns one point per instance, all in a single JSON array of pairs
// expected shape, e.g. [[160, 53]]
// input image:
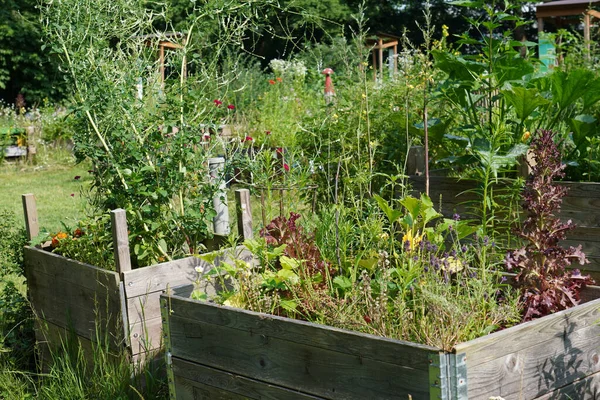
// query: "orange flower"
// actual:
[[279, 79], [57, 238], [271, 82]]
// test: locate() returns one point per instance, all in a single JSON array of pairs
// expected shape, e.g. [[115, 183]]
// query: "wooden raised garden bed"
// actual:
[[581, 205], [69, 297], [218, 352]]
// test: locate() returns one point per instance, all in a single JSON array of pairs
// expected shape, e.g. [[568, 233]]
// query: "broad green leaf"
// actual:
[[288, 276], [591, 95], [567, 87], [163, 245], [583, 126], [342, 282], [289, 305], [390, 213], [457, 67], [524, 101], [369, 263], [209, 257], [230, 269], [412, 205], [289, 263]]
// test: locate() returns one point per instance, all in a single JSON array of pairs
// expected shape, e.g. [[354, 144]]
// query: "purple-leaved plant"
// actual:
[[546, 286]]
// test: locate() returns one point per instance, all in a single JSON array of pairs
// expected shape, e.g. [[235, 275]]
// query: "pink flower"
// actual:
[[247, 139], [279, 150], [267, 133], [286, 167], [72, 194], [217, 102], [231, 107]]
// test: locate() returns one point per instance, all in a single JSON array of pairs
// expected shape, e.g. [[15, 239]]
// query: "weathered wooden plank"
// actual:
[[320, 336], [69, 271], [31, 217], [559, 348], [146, 336], [581, 205], [170, 274], [54, 339], [583, 189], [86, 311], [587, 388], [118, 220], [511, 340], [195, 381], [536, 370], [244, 213], [300, 367]]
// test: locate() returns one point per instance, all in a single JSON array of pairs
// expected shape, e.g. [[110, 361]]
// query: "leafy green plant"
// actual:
[[12, 240], [545, 285], [91, 242]]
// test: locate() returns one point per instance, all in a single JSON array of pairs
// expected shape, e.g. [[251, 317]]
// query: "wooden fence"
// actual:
[[218, 352], [75, 300], [581, 205]]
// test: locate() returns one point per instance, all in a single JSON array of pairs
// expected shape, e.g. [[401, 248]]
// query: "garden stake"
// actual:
[[329, 92]]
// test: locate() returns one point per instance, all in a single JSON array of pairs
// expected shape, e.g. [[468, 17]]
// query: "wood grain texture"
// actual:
[[587, 388], [31, 217], [73, 295], [67, 270], [118, 219], [244, 213], [194, 381], [309, 358], [146, 336], [537, 357], [174, 273], [58, 340], [320, 336], [581, 205]]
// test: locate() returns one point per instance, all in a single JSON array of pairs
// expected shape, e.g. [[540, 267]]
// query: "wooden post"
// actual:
[[31, 150], [216, 166], [540, 25], [31, 217], [415, 160], [380, 47], [118, 220], [586, 32], [395, 59], [374, 65], [244, 213], [161, 57]]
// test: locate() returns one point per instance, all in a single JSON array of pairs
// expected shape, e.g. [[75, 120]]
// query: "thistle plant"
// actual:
[[546, 286]]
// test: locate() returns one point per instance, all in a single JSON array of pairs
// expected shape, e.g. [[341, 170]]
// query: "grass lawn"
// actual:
[[56, 191]]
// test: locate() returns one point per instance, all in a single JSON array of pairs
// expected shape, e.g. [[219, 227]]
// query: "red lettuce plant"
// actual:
[[545, 284], [299, 245]]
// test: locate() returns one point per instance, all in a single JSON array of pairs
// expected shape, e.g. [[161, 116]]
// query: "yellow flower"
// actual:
[[452, 265], [526, 135], [445, 31], [364, 96], [413, 241]]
